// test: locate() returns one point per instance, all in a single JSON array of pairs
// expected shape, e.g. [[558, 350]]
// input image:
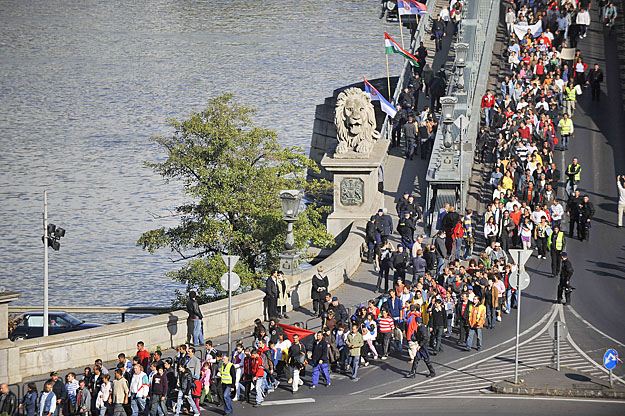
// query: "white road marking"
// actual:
[[549, 315], [596, 364], [578, 316], [291, 401], [552, 315], [499, 397]]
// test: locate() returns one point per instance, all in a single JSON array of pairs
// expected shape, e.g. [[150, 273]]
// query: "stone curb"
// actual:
[[504, 387]]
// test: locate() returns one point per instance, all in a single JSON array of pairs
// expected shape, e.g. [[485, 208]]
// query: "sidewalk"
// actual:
[[567, 383]]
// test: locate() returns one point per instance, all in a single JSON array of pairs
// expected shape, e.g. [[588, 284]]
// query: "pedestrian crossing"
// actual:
[[479, 377]]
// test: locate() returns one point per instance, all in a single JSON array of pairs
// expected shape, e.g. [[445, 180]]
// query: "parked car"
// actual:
[[31, 325]]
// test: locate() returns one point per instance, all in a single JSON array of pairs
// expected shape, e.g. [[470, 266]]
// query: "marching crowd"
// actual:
[[437, 289]]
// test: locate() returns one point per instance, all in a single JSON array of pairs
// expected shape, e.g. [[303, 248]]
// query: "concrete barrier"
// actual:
[[37, 356]]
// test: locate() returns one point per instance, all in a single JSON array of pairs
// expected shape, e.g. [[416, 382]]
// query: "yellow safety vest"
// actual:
[[226, 378], [578, 174], [565, 126], [571, 94], [559, 241]]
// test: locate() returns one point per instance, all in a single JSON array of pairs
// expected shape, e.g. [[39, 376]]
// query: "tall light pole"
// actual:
[[45, 263], [51, 236]]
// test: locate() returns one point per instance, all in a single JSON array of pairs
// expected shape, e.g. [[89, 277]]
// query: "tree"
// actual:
[[232, 172]]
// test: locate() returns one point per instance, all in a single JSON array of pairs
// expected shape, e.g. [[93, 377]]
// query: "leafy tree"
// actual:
[[232, 171]]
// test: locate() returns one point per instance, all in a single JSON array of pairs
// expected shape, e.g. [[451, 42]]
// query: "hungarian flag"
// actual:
[[375, 95], [289, 331], [411, 7], [393, 47]]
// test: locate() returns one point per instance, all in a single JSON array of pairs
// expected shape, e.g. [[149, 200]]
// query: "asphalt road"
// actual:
[[595, 320]]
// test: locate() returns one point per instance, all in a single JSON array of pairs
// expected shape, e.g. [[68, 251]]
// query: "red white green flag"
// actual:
[[393, 47]]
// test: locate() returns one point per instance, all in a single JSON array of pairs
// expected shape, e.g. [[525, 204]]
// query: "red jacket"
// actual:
[[488, 101]]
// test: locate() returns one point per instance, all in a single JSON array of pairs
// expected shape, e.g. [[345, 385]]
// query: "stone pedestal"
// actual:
[[356, 194], [5, 298], [289, 263]]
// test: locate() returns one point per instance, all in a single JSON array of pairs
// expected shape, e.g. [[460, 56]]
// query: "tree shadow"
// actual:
[[606, 274]]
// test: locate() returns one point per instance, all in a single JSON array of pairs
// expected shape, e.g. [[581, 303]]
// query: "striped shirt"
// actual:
[[468, 226], [386, 324]]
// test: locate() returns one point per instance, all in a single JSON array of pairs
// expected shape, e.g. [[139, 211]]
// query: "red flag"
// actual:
[[289, 331]]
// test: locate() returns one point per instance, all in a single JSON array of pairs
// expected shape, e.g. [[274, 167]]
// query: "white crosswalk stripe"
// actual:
[[536, 354]]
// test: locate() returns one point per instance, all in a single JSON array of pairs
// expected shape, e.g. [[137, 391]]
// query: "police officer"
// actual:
[[587, 212], [406, 228], [422, 337], [556, 244], [399, 262], [398, 123], [565, 280], [573, 211]]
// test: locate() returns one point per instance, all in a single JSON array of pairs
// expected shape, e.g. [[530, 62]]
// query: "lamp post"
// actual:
[[291, 200], [447, 153], [51, 236], [461, 50]]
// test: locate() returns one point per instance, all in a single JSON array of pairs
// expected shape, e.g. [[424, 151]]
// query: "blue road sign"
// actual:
[[610, 358]]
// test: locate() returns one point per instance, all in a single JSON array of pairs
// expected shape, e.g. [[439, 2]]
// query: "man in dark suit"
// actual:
[[271, 291]]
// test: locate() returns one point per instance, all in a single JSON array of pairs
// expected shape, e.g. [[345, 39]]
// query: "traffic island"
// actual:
[[565, 383]]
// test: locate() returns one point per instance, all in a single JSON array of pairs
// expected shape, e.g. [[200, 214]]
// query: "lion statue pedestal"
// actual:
[[355, 161]]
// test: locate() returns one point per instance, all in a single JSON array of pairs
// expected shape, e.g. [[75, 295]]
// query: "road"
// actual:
[[594, 320]]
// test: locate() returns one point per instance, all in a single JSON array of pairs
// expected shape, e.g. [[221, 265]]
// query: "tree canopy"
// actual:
[[232, 171]]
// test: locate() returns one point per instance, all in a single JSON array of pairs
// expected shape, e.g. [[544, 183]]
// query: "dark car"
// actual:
[[31, 325]]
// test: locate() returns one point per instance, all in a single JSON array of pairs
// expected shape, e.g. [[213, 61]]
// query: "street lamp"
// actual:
[[447, 109], [291, 200], [461, 50]]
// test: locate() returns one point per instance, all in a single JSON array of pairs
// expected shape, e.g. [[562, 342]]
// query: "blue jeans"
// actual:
[[473, 331], [458, 244], [355, 361], [565, 141], [320, 368], [570, 187], [198, 334], [260, 393], [488, 115], [137, 404], [440, 265], [228, 410], [179, 404]]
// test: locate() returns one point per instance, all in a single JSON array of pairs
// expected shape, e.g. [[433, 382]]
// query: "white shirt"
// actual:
[[621, 193], [556, 212], [445, 15], [42, 403]]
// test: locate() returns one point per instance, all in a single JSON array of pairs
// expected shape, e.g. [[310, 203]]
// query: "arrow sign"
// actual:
[[524, 256], [230, 260], [235, 281], [610, 359]]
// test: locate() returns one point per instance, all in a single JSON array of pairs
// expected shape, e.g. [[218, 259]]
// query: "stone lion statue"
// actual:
[[355, 122]]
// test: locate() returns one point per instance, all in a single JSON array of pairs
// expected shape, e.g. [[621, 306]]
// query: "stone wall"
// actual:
[[37, 356]]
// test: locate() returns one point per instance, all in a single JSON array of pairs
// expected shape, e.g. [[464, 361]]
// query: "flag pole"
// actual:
[[401, 30], [388, 80]]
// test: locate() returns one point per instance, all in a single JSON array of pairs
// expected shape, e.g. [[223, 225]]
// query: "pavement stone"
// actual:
[[566, 383]]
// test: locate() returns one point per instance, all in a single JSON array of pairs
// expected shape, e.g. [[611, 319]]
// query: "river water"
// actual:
[[84, 84]]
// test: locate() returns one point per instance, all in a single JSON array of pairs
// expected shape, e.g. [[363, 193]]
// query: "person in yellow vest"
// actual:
[[477, 315], [556, 245], [566, 129], [573, 176], [228, 375], [570, 98]]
